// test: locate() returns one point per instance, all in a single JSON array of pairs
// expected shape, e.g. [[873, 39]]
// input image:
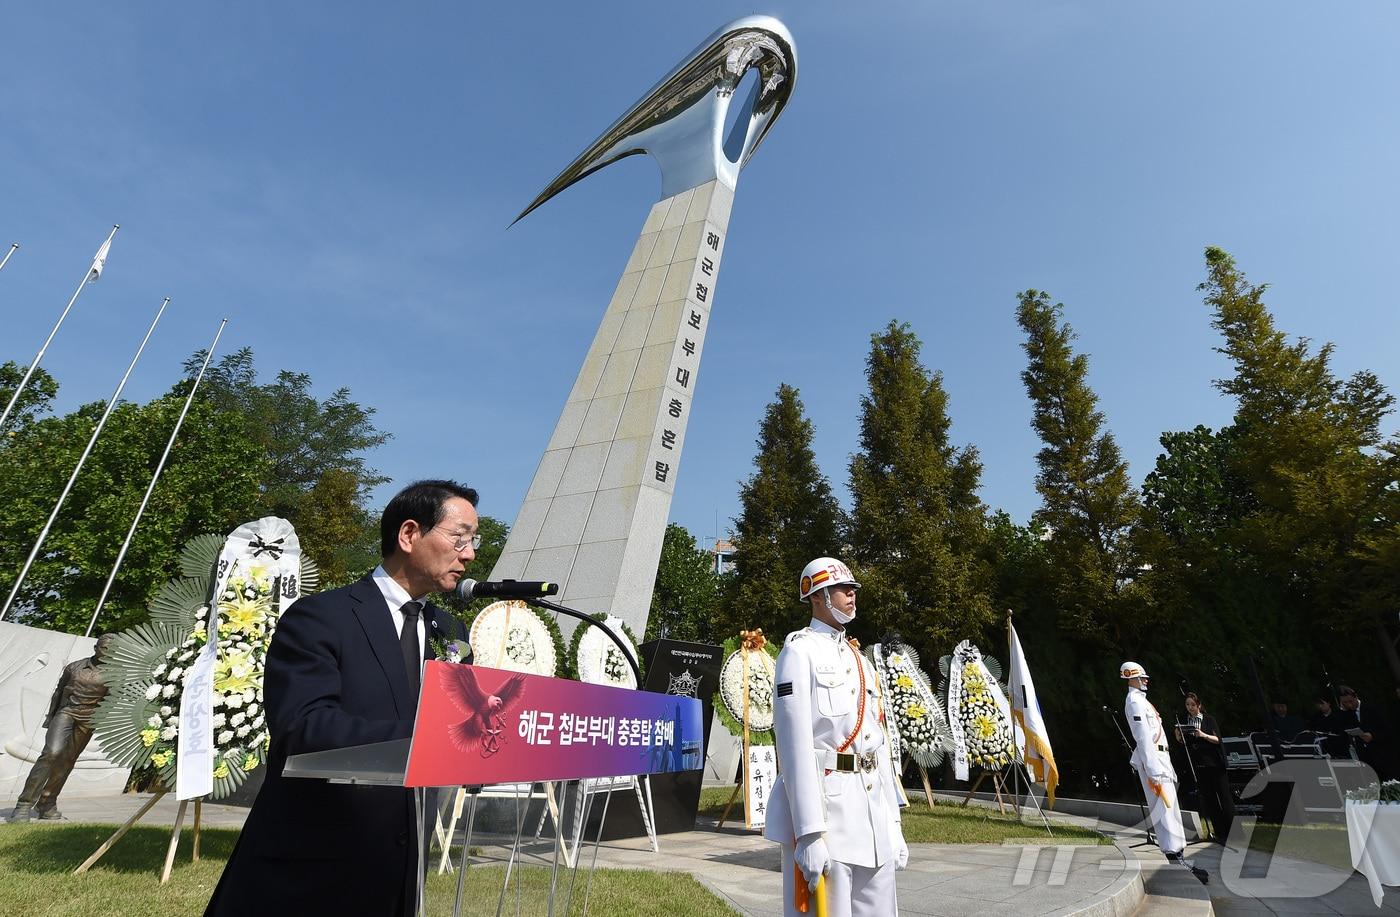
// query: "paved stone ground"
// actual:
[[943, 880]]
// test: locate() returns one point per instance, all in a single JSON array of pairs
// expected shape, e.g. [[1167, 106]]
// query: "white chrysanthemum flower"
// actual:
[[172, 721], [218, 720], [168, 733], [258, 721], [225, 736], [237, 719], [167, 691], [175, 674], [166, 711], [200, 612], [170, 652], [152, 692], [244, 730], [218, 700], [233, 701], [160, 670], [249, 696], [154, 722]]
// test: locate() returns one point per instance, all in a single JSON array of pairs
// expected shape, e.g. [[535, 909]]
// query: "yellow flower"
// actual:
[[149, 736], [234, 672], [915, 711], [160, 758], [250, 762], [221, 771], [984, 727], [243, 616], [904, 681]]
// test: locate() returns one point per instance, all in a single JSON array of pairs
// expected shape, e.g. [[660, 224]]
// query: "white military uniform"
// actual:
[[853, 800], [1153, 764]]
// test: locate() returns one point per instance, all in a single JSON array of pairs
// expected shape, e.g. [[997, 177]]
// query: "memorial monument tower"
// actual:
[[596, 511]]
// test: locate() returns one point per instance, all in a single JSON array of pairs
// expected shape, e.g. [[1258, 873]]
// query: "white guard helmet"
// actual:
[[1131, 670], [823, 572]]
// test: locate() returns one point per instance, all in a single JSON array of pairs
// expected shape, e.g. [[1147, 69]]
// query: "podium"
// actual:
[[477, 727]]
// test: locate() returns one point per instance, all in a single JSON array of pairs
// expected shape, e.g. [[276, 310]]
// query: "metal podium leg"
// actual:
[[597, 842], [475, 793], [420, 842], [514, 849]]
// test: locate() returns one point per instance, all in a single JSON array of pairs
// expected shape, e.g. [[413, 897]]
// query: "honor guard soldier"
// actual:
[[1153, 764], [835, 805]]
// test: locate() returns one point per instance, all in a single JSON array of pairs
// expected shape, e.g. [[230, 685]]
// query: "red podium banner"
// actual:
[[478, 725]]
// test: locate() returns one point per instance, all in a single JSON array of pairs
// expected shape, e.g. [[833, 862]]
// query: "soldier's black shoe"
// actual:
[[1201, 874]]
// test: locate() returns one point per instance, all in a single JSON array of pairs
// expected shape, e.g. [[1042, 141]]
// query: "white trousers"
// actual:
[[1166, 815], [851, 891]]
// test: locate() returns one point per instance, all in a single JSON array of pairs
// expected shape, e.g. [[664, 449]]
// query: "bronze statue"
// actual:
[[69, 725]]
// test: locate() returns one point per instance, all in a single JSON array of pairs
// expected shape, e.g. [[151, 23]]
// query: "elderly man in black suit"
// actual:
[[343, 669]]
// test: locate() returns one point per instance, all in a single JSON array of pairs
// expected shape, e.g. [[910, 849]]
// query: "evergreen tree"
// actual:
[[788, 516], [919, 533], [1311, 451], [1089, 506], [687, 590]]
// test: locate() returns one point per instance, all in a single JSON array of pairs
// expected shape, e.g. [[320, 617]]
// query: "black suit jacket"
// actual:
[[334, 678]]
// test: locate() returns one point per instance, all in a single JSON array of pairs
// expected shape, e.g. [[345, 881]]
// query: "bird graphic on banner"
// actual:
[[486, 713]]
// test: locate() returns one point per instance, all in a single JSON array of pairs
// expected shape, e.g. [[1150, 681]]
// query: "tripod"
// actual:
[[1151, 840]]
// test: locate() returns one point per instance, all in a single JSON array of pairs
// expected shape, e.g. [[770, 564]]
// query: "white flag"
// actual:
[[99, 261], [1025, 710]]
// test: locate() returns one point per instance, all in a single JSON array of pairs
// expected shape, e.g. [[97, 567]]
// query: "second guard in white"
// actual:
[[835, 805], [1152, 761]]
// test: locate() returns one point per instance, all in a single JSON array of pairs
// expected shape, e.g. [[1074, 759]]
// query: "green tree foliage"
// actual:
[[33, 402], [788, 516], [209, 484], [245, 451], [919, 532], [1269, 535], [686, 595], [318, 478], [1088, 505]]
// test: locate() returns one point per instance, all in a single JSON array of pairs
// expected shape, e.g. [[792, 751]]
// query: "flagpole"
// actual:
[[92, 441], [93, 272], [160, 466], [8, 255]]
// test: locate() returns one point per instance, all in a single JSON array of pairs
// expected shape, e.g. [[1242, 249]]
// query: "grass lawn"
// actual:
[[1324, 844], [945, 823], [36, 862]]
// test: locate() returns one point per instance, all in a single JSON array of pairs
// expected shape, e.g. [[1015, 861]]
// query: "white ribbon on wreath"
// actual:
[[270, 542]]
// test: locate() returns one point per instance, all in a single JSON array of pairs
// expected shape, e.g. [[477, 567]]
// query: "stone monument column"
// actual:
[[597, 508]]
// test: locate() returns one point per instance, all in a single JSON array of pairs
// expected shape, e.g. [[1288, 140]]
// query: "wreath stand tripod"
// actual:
[[923, 775], [174, 835]]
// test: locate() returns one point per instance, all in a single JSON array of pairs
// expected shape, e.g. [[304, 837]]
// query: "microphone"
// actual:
[[468, 589]]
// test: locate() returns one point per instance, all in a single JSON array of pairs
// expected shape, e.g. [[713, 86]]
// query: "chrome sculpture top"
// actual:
[[680, 122]]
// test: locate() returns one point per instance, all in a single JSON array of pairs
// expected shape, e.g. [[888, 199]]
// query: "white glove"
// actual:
[[811, 857], [901, 852]]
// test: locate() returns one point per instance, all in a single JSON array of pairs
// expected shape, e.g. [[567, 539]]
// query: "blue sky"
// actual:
[[338, 179]]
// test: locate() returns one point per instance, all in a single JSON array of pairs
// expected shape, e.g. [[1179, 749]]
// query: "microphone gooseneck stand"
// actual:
[[587, 619], [1128, 746]]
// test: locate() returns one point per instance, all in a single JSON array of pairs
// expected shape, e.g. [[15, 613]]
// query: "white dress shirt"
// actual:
[[395, 596]]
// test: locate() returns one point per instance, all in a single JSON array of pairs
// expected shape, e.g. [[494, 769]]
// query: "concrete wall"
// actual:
[[31, 661]]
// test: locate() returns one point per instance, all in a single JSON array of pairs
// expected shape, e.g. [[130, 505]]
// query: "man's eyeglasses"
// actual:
[[461, 541]]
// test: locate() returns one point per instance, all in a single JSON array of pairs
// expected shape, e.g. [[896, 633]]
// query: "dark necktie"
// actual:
[[412, 652]]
